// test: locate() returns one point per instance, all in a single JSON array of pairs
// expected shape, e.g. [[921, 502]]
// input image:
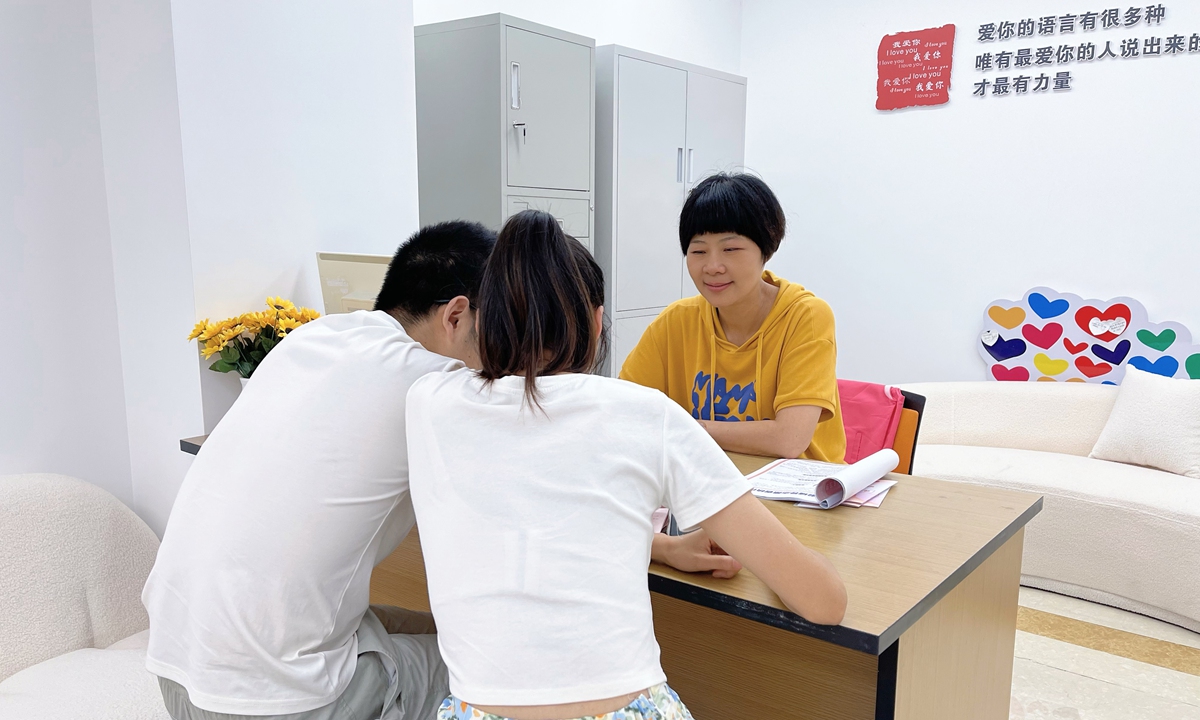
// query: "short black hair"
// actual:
[[736, 203], [436, 264]]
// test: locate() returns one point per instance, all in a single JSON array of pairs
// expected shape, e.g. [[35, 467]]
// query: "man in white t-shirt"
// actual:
[[258, 600]]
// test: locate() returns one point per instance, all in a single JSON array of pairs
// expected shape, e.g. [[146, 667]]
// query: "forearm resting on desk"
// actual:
[[803, 578], [787, 436]]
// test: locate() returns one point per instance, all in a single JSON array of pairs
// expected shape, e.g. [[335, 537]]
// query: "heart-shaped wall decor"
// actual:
[[1049, 366], [1007, 319], [1074, 348], [1106, 325], [1116, 356], [1017, 374], [1166, 365], [1045, 337], [1047, 309], [1091, 369], [1160, 341], [1193, 366], [1003, 349]]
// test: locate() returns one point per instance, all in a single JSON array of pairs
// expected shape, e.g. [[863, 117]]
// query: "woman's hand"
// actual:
[[694, 552]]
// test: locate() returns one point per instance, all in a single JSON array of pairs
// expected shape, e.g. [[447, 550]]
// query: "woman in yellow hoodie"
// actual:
[[751, 346]]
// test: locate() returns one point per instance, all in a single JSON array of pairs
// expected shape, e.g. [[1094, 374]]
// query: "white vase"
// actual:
[[244, 381]]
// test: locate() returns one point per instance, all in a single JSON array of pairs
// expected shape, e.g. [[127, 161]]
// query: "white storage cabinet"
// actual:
[[505, 122], [661, 127]]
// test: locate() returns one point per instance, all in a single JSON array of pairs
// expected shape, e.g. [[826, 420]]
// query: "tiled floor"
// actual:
[[1076, 660]]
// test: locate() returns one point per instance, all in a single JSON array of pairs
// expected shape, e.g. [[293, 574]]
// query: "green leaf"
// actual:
[[257, 356], [245, 368], [230, 353], [222, 366]]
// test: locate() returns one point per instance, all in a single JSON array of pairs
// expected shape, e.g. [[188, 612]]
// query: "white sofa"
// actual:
[[1121, 535], [73, 560]]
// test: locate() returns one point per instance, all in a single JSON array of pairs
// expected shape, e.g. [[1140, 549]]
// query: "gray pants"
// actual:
[[421, 680]]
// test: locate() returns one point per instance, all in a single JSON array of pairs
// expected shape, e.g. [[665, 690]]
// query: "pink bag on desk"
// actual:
[[871, 415]]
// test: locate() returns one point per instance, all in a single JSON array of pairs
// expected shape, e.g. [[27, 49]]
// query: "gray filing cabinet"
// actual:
[[661, 126], [505, 122]]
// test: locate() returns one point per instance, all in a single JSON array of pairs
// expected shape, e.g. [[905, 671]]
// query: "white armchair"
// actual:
[[73, 560]]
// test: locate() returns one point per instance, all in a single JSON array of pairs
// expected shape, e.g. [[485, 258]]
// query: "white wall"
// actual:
[[147, 211], [704, 32], [61, 398], [910, 222], [299, 134], [200, 153]]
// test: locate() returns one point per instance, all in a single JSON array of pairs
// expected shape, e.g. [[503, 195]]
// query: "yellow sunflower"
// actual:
[[232, 332], [213, 346], [199, 329], [278, 303]]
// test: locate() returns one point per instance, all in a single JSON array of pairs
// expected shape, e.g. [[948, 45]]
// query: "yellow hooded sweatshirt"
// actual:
[[790, 361]]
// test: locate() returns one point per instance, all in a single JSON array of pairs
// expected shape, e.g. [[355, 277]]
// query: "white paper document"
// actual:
[[825, 485]]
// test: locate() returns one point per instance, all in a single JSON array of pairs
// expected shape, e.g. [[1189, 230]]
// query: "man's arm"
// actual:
[[787, 436]]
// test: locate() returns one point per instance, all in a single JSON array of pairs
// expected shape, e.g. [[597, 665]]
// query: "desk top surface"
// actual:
[[897, 560]]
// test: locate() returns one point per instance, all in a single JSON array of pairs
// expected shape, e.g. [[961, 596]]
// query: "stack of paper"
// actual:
[[810, 483]]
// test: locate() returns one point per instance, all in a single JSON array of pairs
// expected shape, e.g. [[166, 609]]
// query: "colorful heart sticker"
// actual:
[[1047, 309], [1097, 342], [1116, 356], [1092, 369], [1193, 366], [1049, 366], [1007, 319], [1045, 337], [1074, 348], [1160, 341], [1003, 349], [1106, 325], [1017, 374], [1166, 365]]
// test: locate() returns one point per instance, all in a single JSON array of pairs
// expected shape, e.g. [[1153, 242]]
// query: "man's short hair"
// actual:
[[733, 203], [438, 263]]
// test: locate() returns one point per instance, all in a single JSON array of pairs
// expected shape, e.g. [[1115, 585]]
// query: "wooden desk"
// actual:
[[932, 578]]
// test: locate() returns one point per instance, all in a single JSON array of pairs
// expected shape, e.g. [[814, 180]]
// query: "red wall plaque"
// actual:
[[914, 68]]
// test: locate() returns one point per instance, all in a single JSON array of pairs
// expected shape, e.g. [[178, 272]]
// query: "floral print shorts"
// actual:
[[658, 703]]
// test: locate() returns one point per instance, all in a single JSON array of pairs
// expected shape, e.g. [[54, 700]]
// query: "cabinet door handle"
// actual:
[[691, 168], [679, 166], [515, 88]]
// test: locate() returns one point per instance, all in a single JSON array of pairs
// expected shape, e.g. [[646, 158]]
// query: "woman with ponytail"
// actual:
[[534, 481]]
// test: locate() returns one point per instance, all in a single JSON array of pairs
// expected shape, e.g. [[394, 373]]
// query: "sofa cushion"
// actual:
[[87, 684], [74, 561], [1053, 417], [1155, 422], [1128, 531]]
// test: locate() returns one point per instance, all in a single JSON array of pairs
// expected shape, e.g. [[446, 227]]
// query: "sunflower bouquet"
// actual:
[[243, 341]]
